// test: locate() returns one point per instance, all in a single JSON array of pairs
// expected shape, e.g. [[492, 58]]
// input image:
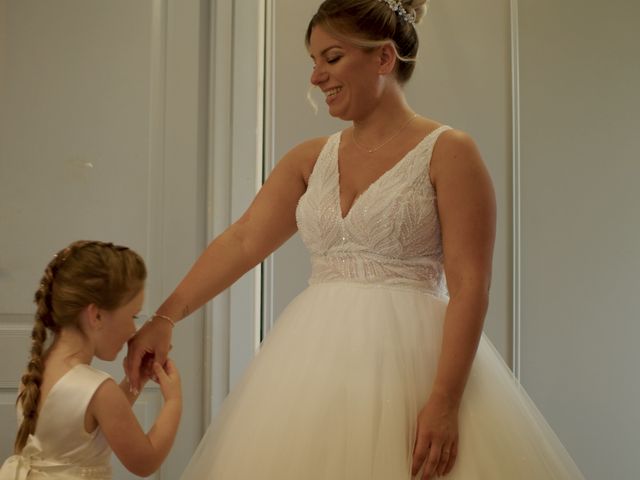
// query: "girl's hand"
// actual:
[[436, 444], [169, 380], [125, 384], [152, 340]]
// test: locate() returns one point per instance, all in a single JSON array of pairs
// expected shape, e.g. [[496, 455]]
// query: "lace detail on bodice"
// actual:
[[391, 235]]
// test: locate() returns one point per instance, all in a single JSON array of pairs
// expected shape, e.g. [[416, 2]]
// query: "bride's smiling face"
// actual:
[[348, 75]]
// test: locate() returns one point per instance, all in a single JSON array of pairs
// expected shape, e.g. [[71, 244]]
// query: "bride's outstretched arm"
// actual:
[[268, 222], [466, 206]]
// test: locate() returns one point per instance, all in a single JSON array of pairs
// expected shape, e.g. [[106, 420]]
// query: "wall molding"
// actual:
[[157, 151], [216, 327], [264, 141], [268, 267], [516, 194], [235, 163]]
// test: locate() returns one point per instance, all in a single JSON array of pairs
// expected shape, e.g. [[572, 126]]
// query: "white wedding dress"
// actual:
[[338, 384]]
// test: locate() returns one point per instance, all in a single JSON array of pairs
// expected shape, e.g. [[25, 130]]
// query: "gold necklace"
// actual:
[[371, 150]]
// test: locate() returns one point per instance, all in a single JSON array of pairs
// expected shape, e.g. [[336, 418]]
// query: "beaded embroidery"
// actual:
[[390, 235]]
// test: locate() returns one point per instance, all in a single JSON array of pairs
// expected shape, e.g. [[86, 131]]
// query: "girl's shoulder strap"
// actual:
[[62, 416], [89, 377], [71, 395]]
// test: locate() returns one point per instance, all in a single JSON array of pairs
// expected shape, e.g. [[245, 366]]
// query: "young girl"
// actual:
[[72, 415]]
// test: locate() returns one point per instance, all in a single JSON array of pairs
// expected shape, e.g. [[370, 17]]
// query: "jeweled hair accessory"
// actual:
[[397, 7]]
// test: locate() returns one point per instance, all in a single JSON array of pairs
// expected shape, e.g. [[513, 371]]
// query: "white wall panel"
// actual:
[[103, 136], [580, 230], [75, 147], [9, 420]]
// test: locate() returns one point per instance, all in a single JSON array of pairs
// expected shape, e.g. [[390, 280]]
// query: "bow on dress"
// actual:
[[18, 467]]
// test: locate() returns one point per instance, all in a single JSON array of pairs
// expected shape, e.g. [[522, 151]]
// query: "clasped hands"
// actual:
[[151, 343]]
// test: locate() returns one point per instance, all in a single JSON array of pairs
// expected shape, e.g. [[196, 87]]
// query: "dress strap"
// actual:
[[69, 398], [322, 168], [425, 148]]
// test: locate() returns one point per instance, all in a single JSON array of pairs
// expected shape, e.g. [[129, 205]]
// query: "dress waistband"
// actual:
[[20, 466], [421, 273]]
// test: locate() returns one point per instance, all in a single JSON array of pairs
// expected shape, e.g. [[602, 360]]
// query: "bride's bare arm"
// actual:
[[268, 222], [466, 207]]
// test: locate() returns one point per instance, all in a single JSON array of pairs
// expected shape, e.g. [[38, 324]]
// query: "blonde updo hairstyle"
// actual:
[[86, 272], [370, 24]]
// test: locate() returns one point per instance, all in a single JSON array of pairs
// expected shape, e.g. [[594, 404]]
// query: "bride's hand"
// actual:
[[153, 339], [436, 444]]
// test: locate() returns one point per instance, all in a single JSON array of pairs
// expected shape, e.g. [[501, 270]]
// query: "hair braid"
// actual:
[[29, 398]]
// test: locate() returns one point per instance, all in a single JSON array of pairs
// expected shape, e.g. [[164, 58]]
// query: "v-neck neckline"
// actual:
[[357, 198]]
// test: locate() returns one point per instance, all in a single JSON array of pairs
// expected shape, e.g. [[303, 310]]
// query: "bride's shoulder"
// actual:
[[309, 149], [457, 166], [303, 156], [454, 148]]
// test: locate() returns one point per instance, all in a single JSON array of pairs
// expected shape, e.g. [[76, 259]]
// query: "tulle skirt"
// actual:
[[336, 388]]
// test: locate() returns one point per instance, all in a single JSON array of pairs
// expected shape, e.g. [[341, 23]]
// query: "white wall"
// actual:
[[580, 72]]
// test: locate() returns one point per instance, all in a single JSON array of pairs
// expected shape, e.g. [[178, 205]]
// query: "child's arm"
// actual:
[[142, 454]]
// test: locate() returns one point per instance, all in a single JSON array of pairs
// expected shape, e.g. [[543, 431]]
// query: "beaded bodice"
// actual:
[[391, 234]]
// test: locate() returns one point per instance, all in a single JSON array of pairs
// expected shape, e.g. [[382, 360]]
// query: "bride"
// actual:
[[379, 369]]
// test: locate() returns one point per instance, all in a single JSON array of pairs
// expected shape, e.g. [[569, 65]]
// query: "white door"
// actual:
[[101, 137]]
